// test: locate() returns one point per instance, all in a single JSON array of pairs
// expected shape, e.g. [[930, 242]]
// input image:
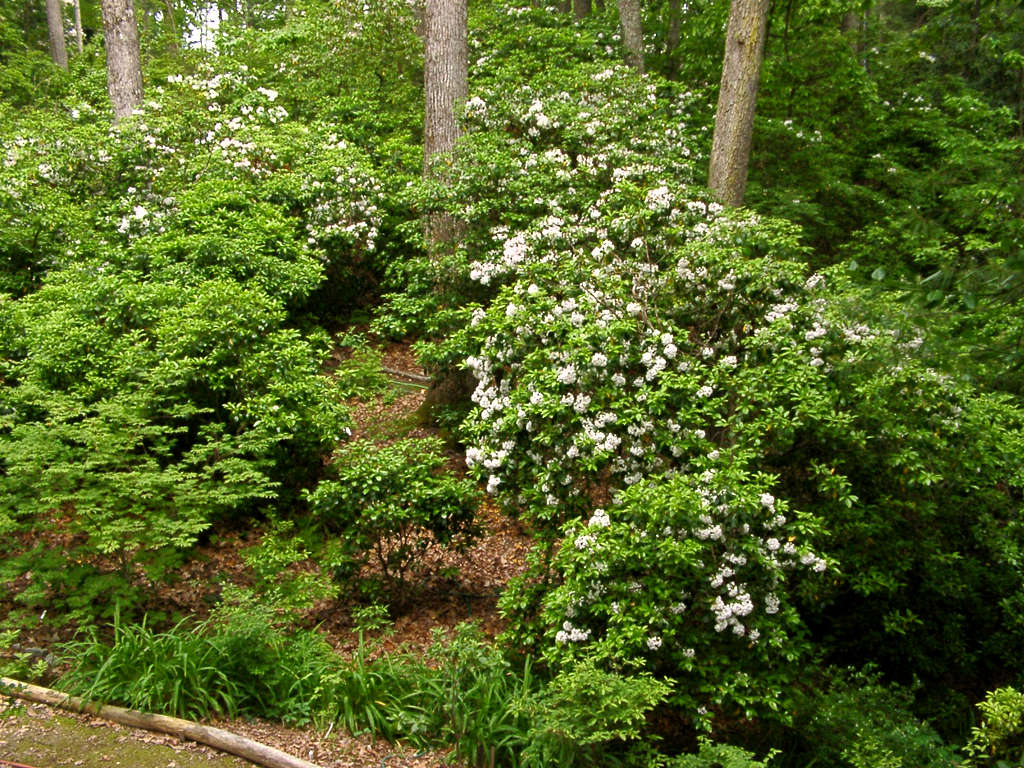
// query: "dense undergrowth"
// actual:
[[771, 458]]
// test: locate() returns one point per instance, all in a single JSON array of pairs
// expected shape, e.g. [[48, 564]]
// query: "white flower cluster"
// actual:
[[145, 213], [344, 211], [475, 107], [540, 121], [659, 199], [570, 634], [729, 612]]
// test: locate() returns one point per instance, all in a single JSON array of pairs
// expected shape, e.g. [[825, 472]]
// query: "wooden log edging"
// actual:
[[217, 738], [406, 375]]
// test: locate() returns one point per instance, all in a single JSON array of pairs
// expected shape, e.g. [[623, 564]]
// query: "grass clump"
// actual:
[[242, 665]]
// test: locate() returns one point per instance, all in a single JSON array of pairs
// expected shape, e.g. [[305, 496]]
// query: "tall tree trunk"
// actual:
[[445, 80], [737, 99], [675, 22], [632, 33], [124, 68], [581, 9], [79, 35], [174, 25], [55, 26]]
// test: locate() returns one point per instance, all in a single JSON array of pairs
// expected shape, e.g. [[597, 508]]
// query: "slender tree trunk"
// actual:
[[147, 19], [1020, 102], [55, 26], [445, 79], [675, 22], [174, 25], [737, 99], [79, 35], [850, 22], [632, 33], [581, 9], [124, 68]]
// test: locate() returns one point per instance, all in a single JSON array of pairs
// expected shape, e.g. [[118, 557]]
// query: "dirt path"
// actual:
[[38, 736], [35, 735]]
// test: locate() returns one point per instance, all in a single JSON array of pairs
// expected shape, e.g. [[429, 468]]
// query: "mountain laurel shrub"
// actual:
[[156, 365], [789, 429], [727, 454]]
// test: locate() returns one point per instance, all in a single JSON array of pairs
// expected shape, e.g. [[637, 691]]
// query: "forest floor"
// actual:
[[38, 736], [449, 588]]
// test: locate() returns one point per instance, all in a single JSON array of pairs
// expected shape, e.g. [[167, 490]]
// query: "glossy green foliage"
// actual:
[[999, 739], [387, 504], [854, 719], [622, 332]]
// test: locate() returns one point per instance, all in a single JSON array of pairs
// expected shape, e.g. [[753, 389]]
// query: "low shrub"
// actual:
[[388, 503], [855, 719], [999, 739]]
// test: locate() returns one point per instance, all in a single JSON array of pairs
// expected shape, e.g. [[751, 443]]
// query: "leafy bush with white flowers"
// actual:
[[687, 576], [158, 371], [634, 346], [664, 347], [547, 149]]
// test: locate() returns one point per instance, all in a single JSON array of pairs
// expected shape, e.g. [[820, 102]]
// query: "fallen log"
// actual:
[[217, 738], [406, 374]]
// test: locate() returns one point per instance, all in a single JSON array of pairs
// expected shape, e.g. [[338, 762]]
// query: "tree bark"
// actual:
[[225, 741], [124, 68], [737, 99], [581, 9], [446, 85], [632, 33], [675, 20], [174, 26], [675, 23], [55, 26], [79, 35]]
